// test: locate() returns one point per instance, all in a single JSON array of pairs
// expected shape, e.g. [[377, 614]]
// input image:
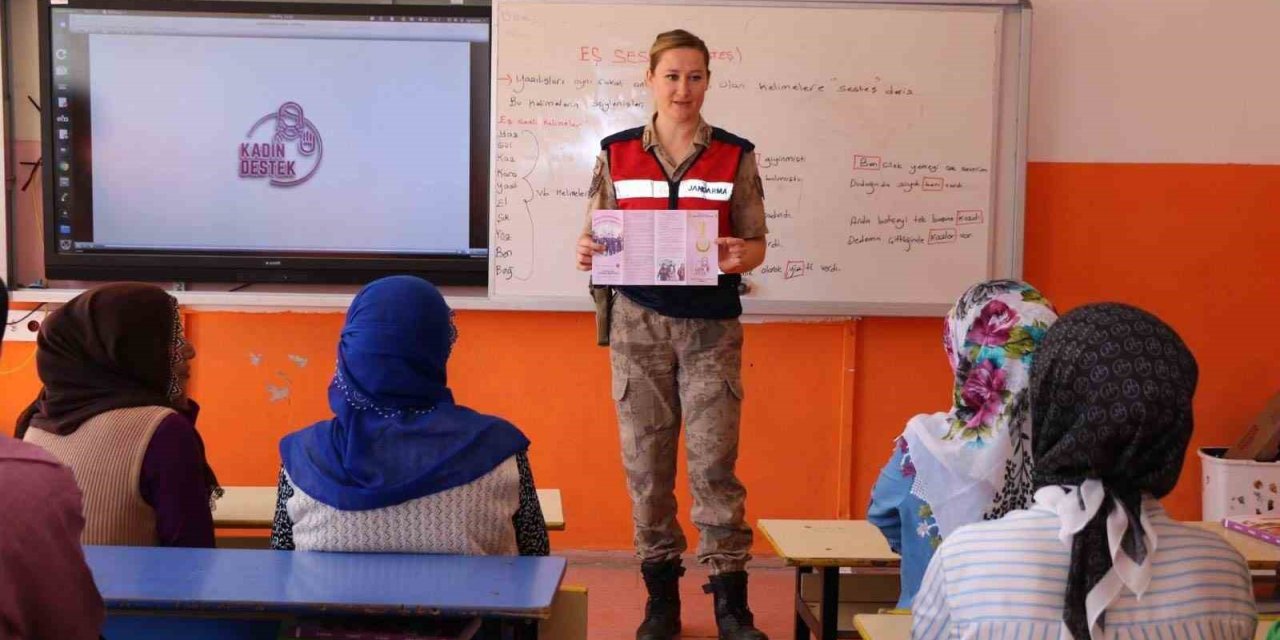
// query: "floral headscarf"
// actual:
[[975, 459]]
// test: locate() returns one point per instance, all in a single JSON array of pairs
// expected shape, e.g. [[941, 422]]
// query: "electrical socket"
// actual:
[[23, 325]]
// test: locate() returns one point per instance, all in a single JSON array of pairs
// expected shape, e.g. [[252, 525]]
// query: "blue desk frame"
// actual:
[[162, 584]]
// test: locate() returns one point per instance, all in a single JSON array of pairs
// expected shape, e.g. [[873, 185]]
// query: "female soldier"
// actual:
[[679, 349]]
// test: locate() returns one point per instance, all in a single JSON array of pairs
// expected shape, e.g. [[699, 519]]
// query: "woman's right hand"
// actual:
[[587, 247]]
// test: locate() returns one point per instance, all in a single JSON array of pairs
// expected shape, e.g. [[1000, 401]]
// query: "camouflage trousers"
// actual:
[[663, 369]]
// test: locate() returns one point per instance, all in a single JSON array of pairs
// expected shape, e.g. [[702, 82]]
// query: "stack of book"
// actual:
[[1265, 528]]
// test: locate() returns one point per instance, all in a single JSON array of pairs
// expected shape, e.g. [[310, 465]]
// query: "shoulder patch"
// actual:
[[629, 134], [724, 136], [597, 179]]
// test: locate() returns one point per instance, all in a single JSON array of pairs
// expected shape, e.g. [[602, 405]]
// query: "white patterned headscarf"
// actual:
[[974, 461]]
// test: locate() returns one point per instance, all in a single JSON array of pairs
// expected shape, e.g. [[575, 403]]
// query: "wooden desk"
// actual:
[[255, 508], [829, 543], [883, 626], [552, 508], [857, 543], [168, 585], [826, 545], [1259, 554], [245, 508]]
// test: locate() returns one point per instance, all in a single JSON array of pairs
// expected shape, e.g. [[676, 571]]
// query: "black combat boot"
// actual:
[[733, 618], [662, 611]]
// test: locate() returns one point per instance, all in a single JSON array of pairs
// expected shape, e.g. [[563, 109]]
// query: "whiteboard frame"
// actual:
[[1009, 186]]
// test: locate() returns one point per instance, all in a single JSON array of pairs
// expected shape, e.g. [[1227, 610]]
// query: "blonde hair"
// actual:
[[677, 39]]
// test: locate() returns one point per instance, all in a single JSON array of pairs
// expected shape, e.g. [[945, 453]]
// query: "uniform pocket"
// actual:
[[735, 387], [620, 387]]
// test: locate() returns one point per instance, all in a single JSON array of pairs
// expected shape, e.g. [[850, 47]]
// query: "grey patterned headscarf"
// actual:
[[1111, 392]]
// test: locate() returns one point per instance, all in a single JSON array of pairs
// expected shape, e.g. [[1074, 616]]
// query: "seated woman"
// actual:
[[114, 408], [401, 467], [972, 462], [46, 589], [1096, 556]]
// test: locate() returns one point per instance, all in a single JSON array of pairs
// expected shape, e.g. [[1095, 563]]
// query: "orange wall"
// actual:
[[1197, 244], [541, 371]]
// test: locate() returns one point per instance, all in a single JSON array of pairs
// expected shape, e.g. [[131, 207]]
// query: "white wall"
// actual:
[[26, 69], [1159, 81], [1111, 80]]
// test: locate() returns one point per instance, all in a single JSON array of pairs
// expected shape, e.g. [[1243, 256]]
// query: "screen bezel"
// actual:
[[266, 266]]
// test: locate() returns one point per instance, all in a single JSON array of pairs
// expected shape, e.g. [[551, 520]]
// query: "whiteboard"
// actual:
[[889, 137]]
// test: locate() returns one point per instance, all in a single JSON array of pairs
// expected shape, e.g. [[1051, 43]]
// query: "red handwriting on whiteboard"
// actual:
[[932, 183], [593, 54], [969, 216], [561, 123]]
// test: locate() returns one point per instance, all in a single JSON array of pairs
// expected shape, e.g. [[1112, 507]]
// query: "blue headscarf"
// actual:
[[396, 433]]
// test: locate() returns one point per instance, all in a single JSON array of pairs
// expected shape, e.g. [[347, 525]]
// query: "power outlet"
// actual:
[[23, 325]]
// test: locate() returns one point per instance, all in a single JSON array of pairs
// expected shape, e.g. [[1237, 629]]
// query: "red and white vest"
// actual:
[[640, 182]]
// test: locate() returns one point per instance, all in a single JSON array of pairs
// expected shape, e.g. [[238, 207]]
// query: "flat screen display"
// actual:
[[266, 142]]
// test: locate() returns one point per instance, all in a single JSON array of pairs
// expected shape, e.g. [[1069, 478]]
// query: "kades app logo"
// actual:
[[283, 146]]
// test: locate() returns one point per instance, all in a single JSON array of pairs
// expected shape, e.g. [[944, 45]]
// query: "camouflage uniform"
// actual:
[[666, 368], [662, 368]]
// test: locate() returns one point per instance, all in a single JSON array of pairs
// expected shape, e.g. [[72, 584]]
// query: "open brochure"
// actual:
[[655, 247]]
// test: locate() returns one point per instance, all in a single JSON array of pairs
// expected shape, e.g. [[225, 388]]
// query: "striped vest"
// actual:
[[105, 454]]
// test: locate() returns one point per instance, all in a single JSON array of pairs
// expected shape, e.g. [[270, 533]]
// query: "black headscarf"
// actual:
[[1111, 391], [112, 347]]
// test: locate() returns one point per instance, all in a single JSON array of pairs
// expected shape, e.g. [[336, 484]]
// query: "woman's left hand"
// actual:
[[732, 252], [740, 256]]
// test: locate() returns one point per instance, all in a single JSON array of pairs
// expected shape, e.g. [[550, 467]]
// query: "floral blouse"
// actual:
[[906, 521]]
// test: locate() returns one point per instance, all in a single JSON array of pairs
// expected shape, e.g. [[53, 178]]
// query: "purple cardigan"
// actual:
[[46, 589], [173, 483]]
